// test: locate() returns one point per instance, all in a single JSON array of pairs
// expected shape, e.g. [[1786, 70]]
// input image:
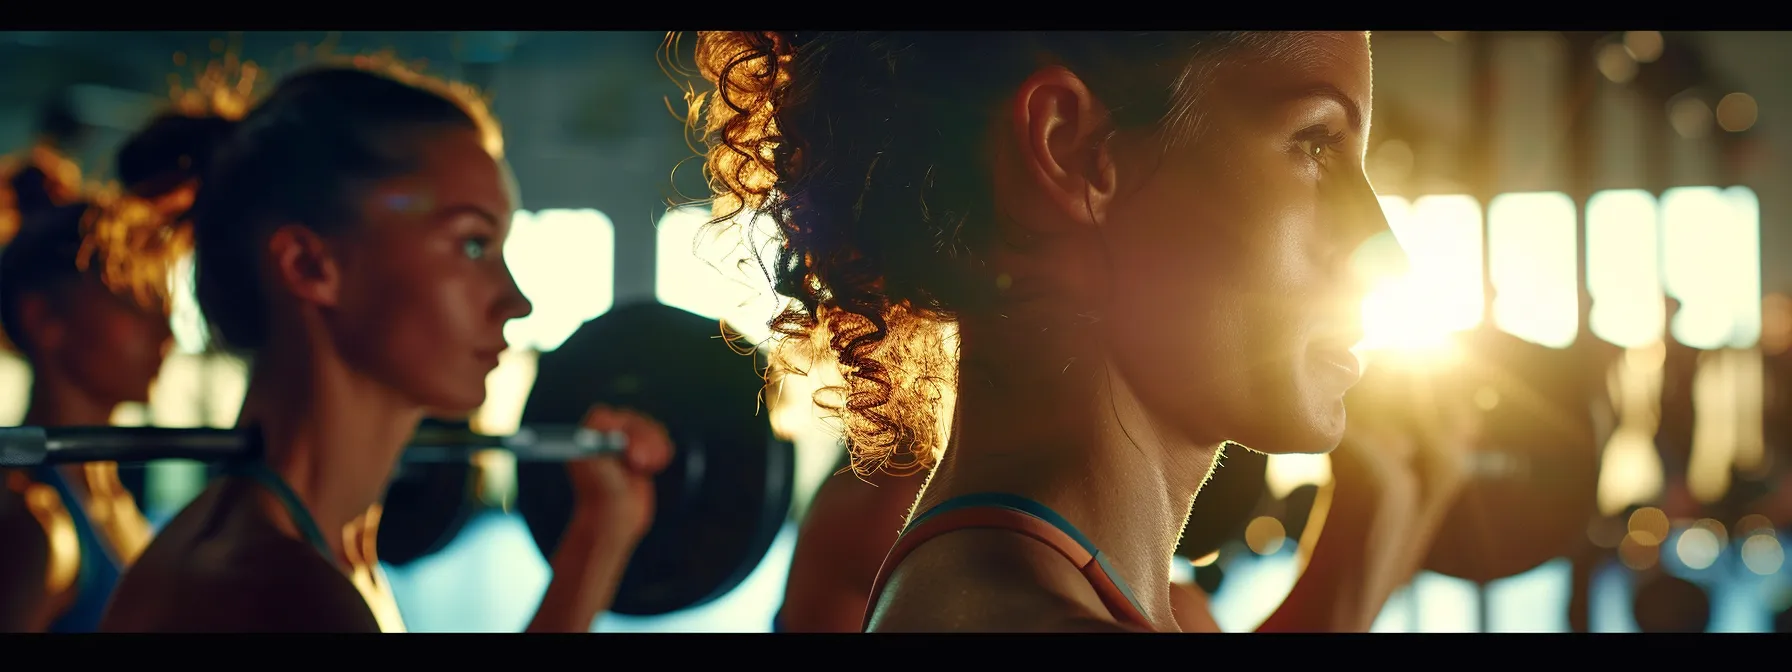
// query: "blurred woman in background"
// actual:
[[348, 238], [65, 532]]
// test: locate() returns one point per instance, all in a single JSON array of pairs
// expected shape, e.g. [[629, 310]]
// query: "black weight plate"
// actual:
[[426, 506], [728, 491], [1509, 522], [1225, 506]]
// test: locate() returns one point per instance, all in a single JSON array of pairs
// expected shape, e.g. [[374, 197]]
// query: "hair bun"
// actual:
[[171, 151], [40, 179]]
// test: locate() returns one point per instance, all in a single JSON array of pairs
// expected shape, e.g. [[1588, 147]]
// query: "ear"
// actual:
[[1062, 130], [304, 265], [38, 323]]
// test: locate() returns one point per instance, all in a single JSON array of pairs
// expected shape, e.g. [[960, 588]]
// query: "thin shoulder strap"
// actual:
[[1023, 516], [256, 467]]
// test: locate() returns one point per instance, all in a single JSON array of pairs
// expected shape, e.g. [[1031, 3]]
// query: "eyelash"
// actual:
[[484, 244], [1314, 142]]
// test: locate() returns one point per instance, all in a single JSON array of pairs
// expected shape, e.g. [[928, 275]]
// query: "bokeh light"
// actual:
[[1763, 554], [1737, 112], [1265, 535], [1616, 63], [1643, 45], [1649, 526], [1697, 548]]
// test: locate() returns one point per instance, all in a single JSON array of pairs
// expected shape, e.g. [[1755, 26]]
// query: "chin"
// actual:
[[457, 405], [1315, 429]]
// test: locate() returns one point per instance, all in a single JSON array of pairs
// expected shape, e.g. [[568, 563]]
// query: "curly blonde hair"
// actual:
[[887, 338]]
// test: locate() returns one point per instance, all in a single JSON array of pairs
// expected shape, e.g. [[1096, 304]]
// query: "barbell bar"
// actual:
[[30, 446]]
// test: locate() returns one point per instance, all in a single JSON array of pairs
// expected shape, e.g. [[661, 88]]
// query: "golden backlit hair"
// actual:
[[896, 361], [63, 177]]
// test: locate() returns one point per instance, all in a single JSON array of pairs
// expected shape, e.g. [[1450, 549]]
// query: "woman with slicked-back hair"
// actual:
[[1119, 254], [348, 236]]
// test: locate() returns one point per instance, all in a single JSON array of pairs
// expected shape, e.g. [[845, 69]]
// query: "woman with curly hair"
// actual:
[[1140, 243], [348, 235]]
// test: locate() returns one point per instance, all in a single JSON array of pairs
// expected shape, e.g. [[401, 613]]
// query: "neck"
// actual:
[[57, 403], [332, 434], [1080, 443]]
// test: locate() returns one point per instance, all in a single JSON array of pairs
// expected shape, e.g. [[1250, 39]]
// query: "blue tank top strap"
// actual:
[[255, 467], [98, 571], [1035, 509]]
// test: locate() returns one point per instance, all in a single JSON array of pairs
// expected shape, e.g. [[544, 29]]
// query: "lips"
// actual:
[[1332, 347], [1343, 358], [491, 355]]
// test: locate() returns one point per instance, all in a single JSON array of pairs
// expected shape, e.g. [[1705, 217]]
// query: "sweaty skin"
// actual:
[[1219, 271]]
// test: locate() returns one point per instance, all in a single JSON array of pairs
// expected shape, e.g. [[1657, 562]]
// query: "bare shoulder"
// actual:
[[849, 528], [23, 564], [193, 579], [988, 581]]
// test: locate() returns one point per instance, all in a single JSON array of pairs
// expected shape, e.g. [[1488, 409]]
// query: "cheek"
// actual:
[[418, 324], [1213, 280], [409, 310]]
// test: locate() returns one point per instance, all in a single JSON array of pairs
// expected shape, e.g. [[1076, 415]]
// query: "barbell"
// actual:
[[719, 505], [33, 446]]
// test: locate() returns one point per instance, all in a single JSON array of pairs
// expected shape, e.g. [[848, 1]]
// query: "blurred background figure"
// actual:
[[69, 529]]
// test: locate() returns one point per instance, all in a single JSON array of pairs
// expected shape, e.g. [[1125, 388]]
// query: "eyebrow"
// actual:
[[1352, 110], [450, 212]]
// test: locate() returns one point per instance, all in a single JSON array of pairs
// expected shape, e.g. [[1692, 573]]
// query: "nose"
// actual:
[[1362, 213], [512, 303], [1362, 219]]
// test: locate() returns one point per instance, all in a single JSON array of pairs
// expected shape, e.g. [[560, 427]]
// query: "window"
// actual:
[[1445, 248], [1531, 245], [564, 261], [712, 271], [1624, 268], [1711, 256]]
